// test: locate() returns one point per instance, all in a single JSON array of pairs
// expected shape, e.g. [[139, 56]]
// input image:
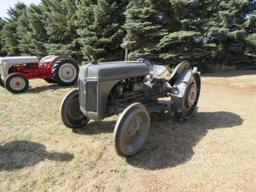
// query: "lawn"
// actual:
[[214, 151]]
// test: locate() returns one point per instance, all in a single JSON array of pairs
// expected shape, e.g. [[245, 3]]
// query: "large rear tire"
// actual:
[[65, 71], [71, 115], [184, 107], [131, 130], [16, 83]]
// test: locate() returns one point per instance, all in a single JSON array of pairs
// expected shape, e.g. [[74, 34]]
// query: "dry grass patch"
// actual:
[[214, 151]]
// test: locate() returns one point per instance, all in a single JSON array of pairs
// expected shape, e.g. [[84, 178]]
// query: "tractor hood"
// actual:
[[18, 60], [113, 70]]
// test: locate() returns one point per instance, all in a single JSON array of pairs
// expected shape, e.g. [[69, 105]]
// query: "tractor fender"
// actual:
[[184, 65], [183, 79], [48, 59], [186, 92], [58, 58], [54, 58]]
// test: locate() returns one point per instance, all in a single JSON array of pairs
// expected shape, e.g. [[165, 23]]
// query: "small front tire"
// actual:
[[16, 83], [71, 115], [131, 130]]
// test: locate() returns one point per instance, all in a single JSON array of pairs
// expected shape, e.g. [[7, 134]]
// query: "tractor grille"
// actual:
[[82, 94], [91, 96]]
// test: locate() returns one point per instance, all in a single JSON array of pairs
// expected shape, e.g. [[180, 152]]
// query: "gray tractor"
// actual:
[[133, 89]]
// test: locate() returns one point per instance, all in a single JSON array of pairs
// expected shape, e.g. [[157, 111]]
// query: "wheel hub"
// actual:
[[17, 83], [192, 96], [67, 72], [74, 111], [134, 126], [134, 129]]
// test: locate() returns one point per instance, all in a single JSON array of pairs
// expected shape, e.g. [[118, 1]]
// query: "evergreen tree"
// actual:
[[186, 40], [23, 34], [84, 23], [147, 22], [59, 24], [37, 32], [227, 31], [102, 33], [2, 23], [9, 32], [166, 31]]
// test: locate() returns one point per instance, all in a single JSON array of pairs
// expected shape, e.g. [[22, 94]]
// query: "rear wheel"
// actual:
[[184, 107], [65, 72], [71, 115], [16, 83], [131, 130]]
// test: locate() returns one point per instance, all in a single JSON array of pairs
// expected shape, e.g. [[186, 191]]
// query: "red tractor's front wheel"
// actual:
[[16, 83], [65, 72]]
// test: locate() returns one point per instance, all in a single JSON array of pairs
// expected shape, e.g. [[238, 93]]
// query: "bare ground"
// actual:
[[214, 151]]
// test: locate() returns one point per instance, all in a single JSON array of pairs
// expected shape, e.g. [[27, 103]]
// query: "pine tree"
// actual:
[[185, 41], [59, 24], [166, 31], [214, 32], [147, 22], [9, 32], [227, 31], [250, 27], [37, 32], [23, 34], [102, 33], [2, 23], [84, 23]]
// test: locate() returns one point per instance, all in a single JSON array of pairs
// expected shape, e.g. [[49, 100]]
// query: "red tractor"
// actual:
[[16, 71]]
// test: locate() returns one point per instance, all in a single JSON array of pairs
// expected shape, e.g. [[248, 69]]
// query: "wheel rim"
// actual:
[[134, 132], [74, 113], [191, 99], [191, 95], [67, 73], [17, 83]]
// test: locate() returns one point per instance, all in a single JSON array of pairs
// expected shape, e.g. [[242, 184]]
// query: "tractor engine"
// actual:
[[138, 89]]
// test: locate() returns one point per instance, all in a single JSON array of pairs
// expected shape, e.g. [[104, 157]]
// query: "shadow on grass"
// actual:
[[96, 127], [170, 143], [52, 87], [19, 154]]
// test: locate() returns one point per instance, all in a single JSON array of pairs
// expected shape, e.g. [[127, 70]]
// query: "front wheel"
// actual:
[[16, 83], [71, 115], [131, 130]]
